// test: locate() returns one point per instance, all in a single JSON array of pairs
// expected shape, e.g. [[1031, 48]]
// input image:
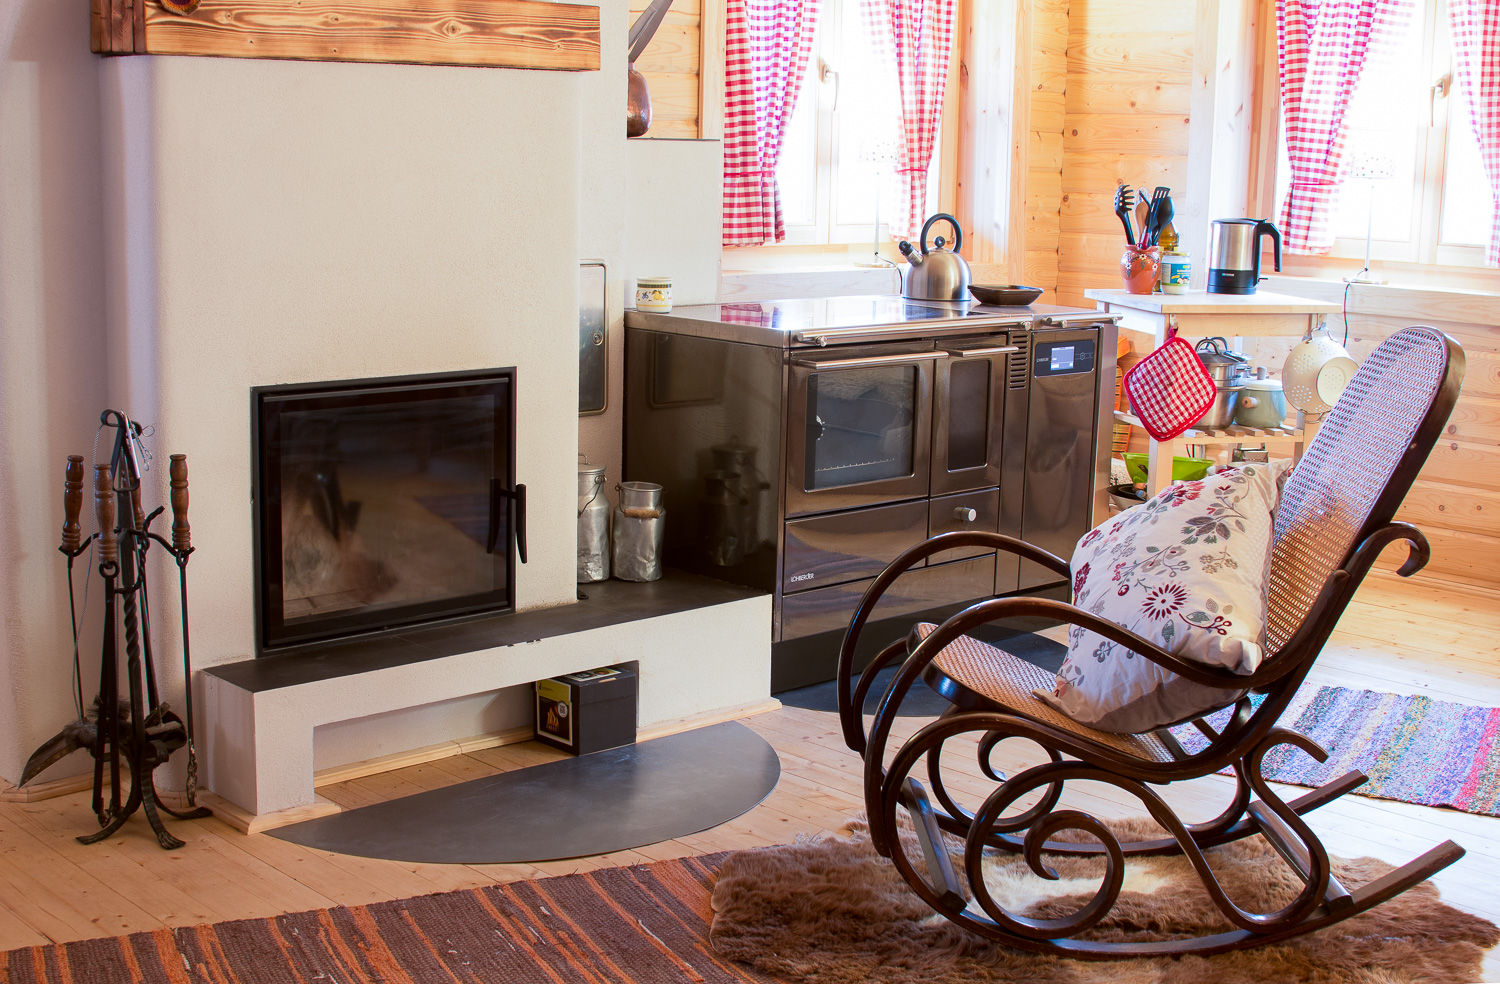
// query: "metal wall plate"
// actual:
[[593, 339]]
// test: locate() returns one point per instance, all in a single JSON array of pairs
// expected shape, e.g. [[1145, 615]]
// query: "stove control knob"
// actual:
[[965, 514]]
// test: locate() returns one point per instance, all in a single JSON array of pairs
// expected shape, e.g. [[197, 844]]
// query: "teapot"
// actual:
[[935, 274]]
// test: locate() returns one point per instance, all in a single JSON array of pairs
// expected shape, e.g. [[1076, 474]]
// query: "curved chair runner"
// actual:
[[1333, 520]]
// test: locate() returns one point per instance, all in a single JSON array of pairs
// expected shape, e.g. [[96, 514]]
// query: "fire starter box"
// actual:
[[587, 711]]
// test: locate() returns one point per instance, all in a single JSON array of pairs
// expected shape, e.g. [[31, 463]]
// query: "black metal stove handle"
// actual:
[[518, 501], [515, 510]]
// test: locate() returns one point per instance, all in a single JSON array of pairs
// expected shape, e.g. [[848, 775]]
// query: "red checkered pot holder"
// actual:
[[1170, 389]]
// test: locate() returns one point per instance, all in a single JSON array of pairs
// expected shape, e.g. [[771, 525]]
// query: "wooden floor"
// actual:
[[1400, 636]]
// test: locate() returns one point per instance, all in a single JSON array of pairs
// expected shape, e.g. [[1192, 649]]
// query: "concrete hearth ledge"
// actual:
[[703, 648]]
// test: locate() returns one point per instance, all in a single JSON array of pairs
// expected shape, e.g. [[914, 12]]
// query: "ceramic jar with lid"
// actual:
[[653, 294]]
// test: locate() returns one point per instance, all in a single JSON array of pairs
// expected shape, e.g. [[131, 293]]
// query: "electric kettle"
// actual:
[[1234, 254], [935, 274]]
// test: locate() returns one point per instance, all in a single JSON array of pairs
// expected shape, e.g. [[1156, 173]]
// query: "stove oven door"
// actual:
[[859, 426], [968, 413]]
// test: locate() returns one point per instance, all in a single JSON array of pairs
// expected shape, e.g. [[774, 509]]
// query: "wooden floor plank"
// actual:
[[1403, 636]]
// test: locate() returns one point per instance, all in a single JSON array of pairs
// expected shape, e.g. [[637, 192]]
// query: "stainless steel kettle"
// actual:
[[935, 274], [1234, 254]]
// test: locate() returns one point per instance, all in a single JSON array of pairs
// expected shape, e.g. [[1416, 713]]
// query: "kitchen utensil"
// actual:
[[1124, 200], [1166, 235], [1006, 295], [1261, 404], [1169, 389], [1223, 365], [1142, 219], [1316, 372], [935, 273], [1158, 195], [1234, 254], [1220, 413], [1140, 266]]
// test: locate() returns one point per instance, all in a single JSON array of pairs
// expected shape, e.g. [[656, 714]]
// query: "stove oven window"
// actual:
[[860, 426]]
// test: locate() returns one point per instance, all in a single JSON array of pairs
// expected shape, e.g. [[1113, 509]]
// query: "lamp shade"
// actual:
[[1316, 372]]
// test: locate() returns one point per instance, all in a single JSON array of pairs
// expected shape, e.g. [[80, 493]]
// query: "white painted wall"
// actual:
[[174, 231]]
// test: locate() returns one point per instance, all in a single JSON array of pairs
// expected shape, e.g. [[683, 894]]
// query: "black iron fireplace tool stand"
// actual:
[[139, 728]]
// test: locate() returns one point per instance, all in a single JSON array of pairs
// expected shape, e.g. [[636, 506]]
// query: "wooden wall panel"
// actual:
[[1049, 80], [1127, 86], [1454, 500], [671, 65]]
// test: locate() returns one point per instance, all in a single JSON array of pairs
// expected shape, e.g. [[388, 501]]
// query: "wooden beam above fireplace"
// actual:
[[484, 33]]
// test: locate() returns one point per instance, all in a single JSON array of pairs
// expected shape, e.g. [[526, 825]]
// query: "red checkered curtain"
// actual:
[[1476, 52], [921, 34], [1322, 46], [766, 52]]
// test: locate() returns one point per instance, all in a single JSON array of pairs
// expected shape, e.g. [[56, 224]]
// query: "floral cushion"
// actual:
[[1188, 570]]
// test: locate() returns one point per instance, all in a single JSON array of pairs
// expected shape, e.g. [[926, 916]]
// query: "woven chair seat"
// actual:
[[1008, 682]]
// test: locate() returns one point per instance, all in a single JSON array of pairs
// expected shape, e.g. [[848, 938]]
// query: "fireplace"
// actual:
[[383, 504]]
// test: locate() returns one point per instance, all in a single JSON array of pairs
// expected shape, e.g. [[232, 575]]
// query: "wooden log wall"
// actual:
[[1044, 162], [671, 66], [1125, 118], [1454, 500]]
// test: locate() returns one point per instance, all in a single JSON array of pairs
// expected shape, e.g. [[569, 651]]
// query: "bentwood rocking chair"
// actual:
[[1333, 518]]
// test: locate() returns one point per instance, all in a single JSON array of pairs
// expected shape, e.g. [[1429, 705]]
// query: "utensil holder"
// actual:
[[1140, 266]]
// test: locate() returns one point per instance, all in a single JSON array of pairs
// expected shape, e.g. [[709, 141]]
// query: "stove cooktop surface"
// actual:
[[796, 320]]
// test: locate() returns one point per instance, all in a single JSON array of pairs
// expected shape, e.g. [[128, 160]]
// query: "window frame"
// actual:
[[1422, 259], [854, 239]]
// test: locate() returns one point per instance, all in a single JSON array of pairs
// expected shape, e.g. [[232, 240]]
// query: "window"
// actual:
[[838, 160], [1414, 188]]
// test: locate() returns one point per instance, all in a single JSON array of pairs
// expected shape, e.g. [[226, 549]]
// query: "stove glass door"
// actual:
[[860, 428]]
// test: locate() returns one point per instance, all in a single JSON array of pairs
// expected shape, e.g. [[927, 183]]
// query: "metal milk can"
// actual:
[[593, 524], [639, 523]]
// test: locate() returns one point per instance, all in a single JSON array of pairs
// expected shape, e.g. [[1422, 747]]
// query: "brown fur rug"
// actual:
[[832, 911]]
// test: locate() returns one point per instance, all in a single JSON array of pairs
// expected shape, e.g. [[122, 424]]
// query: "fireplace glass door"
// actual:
[[381, 504]]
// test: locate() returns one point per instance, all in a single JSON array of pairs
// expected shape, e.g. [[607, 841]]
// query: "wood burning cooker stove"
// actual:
[[803, 444]]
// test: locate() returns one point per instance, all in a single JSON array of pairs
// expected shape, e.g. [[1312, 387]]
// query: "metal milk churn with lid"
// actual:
[[639, 523], [593, 524]]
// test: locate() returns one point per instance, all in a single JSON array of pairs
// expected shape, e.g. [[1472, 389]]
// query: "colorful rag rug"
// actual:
[[1413, 749]]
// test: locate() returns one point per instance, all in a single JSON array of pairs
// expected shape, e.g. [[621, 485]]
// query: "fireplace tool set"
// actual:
[[138, 728]]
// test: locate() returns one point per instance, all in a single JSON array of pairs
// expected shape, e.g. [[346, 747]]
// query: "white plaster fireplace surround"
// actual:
[[278, 222]]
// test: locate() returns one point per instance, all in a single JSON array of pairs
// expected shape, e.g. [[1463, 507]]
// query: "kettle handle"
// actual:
[[1261, 228], [958, 235]]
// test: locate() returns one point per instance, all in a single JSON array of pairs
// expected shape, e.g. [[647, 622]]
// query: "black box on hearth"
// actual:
[[587, 711]]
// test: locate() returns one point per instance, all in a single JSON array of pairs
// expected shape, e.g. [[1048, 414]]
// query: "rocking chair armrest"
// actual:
[[1338, 588], [850, 716]]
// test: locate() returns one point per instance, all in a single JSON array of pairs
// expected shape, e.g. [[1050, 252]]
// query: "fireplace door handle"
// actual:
[[515, 507]]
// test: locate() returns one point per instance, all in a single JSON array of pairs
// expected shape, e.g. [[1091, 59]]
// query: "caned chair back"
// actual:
[[1359, 467]]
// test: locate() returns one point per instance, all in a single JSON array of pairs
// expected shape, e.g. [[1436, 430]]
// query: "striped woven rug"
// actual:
[[645, 923], [1413, 749]]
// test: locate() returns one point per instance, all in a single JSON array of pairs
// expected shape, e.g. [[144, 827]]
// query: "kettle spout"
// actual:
[[912, 254]]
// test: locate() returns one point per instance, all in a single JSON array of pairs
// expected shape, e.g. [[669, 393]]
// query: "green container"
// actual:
[[1183, 469]]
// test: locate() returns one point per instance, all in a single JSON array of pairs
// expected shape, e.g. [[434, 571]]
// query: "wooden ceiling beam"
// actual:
[[533, 34]]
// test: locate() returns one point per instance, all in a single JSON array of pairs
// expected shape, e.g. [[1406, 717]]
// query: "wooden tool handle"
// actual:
[[72, 532], [104, 511], [137, 512], [181, 533]]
